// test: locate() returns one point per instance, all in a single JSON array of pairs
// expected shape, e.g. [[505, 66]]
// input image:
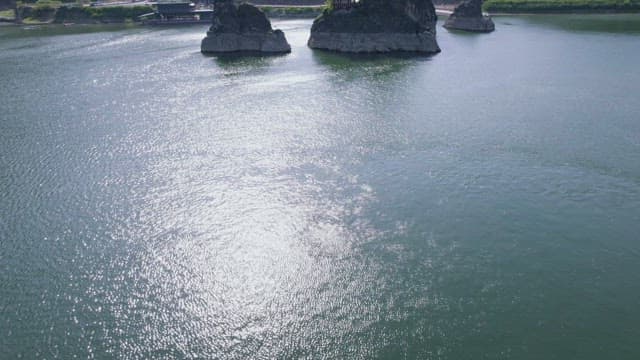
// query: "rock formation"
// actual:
[[242, 28], [377, 26], [468, 16]]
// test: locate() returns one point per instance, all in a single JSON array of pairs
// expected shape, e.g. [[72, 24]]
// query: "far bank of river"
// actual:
[[481, 203], [561, 6], [46, 14], [37, 14]]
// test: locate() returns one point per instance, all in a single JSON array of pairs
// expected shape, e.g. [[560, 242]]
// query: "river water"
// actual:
[[482, 203]]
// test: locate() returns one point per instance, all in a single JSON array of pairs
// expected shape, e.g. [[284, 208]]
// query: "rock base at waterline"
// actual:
[[482, 24], [374, 42], [273, 42]]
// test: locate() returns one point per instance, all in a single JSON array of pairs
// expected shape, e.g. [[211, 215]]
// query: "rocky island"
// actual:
[[368, 26], [242, 28], [468, 16]]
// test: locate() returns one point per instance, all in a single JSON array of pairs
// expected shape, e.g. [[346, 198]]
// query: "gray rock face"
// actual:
[[377, 26], [468, 17], [374, 42], [242, 28]]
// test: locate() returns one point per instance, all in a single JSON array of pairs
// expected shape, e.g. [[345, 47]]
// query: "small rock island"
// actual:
[[242, 28], [368, 26], [468, 16]]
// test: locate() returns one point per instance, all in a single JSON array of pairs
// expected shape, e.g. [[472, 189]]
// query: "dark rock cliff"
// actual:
[[242, 28], [7, 4], [373, 16], [468, 16], [377, 26], [241, 19]]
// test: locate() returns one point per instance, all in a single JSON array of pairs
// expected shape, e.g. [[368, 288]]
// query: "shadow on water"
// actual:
[[358, 65], [241, 62], [462, 33], [596, 23]]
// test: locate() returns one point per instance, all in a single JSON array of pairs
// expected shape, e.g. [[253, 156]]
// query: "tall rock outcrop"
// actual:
[[377, 26], [468, 16], [242, 28]]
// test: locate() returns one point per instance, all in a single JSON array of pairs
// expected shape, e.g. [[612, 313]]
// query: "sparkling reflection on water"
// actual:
[[157, 203]]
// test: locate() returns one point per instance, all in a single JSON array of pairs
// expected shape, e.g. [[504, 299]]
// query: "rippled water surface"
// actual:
[[482, 203]]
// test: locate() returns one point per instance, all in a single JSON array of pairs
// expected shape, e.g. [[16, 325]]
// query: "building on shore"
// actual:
[[344, 4], [174, 13]]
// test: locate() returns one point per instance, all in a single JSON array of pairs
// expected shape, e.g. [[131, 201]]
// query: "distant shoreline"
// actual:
[[575, 12], [124, 15], [568, 12], [513, 7]]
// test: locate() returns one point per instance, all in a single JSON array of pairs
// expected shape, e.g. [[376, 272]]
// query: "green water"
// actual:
[[482, 203]]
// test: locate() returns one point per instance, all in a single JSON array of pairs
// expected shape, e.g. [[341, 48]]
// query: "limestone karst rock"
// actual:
[[376, 26], [242, 28], [468, 16]]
